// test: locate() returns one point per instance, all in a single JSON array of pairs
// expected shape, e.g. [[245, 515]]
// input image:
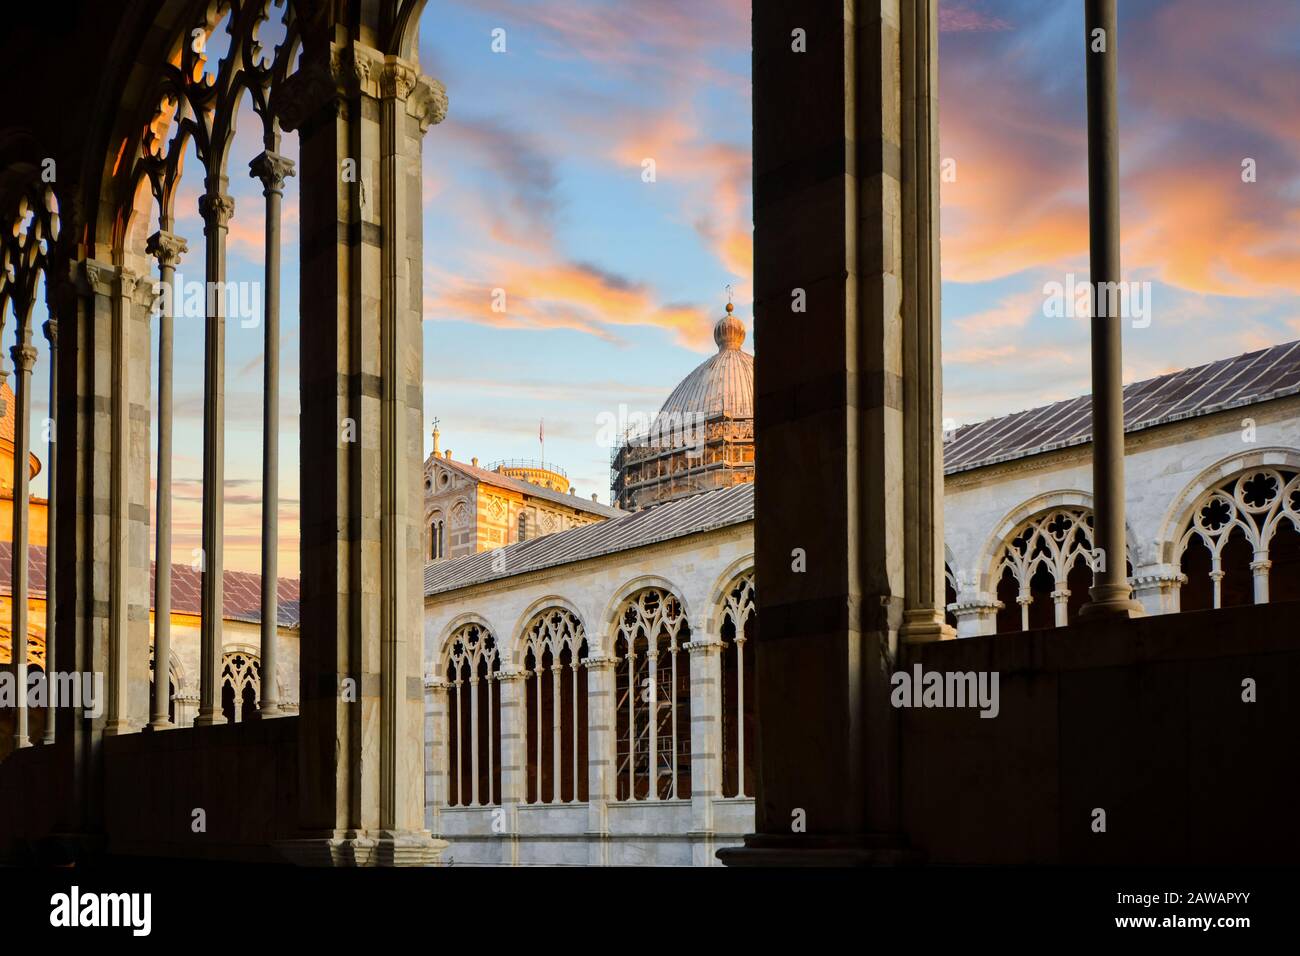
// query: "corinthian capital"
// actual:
[[216, 209], [398, 79], [166, 247], [272, 169]]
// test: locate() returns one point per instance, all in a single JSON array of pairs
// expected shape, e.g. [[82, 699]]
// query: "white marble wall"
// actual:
[[697, 569], [1166, 468]]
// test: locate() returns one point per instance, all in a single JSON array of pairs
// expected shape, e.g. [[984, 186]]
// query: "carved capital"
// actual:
[[428, 103], [397, 79], [24, 356], [98, 277], [216, 209], [272, 169], [361, 69], [313, 91], [51, 330], [142, 290], [166, 247]]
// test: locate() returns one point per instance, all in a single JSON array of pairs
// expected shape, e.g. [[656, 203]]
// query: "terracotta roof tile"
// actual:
[[242, 589]]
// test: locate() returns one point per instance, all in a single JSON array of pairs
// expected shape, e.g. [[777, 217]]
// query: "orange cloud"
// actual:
[[560, 295]]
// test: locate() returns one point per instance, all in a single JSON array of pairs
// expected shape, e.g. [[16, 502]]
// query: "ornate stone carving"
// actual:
[[166, 247], [216, 209], [272, 169], [428, 103]]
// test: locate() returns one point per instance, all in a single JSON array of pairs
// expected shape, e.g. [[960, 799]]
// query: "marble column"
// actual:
[[272, 169], [1260, 568], [830, 237], [705, 658], [51, 330], [601, 754], [127, 707], [216, 208], [437, 728], [976, 615], [514, 769], [24, 357], [922, 370], [1158, 588], [167, 248], [361, 454], [1061, 606], [1110, 593]]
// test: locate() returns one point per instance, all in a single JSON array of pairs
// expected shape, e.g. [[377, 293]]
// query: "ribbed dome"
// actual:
[[722, 385]]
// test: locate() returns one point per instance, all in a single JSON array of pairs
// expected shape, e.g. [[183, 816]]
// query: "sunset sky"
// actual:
[[534, 185]]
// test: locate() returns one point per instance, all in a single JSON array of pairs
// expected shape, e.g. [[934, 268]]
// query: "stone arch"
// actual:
[[449, 630], [513, 650], [1065, 498], [601, 641], [1179, 512], [719, 590]]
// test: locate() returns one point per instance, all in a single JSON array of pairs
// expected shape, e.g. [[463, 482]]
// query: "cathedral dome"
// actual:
[[723, 385]]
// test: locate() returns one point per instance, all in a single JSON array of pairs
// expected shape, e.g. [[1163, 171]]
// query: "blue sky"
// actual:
[[535, 185]]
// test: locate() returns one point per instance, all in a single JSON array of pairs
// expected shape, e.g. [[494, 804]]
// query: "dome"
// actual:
[[722, 385]]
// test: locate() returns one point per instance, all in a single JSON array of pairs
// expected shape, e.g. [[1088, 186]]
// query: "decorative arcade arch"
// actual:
[[241, 686], [1043, 569], [1241, 544], [556, 708], [473, 664], [739, 721], [652, 698]]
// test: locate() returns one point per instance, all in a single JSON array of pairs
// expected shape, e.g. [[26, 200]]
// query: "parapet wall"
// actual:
[[1144, 720]]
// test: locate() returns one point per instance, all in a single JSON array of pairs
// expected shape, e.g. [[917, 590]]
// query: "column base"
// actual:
[[159, 724], [265, 712], [210, 720], [925, 626], [761, 849], [365, 848], [1111, 600]]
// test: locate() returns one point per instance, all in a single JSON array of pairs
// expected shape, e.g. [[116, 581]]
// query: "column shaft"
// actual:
[[271, 169], [24, 356], [167, 249], [51, 330], [1110, 593], [216, 209]]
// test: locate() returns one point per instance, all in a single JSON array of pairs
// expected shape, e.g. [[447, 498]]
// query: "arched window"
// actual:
[[241, 686], [1043, 572], [474, 712], [523, 526], [555, 708], [435, 537], [652, 699], [738, 719], [1241, 544]]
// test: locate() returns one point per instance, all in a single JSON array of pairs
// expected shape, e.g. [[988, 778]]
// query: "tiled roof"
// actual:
[[1228, 383], [242, 592], [577, 502], [702, 512]]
